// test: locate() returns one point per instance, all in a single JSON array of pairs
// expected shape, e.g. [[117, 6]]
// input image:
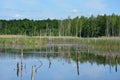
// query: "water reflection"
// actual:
[[49, 62], [74, 61], [40, 65], [77, 62], [21, 64], [116, 64], [18, 69]]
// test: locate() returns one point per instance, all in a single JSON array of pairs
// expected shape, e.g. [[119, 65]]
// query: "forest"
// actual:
[[93, 26]]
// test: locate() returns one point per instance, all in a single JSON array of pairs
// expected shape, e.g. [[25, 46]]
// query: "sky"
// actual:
[[56, 9]]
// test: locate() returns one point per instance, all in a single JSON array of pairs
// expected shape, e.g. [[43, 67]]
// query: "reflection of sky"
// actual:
[[60, 70], [93, 72], [98, 72]]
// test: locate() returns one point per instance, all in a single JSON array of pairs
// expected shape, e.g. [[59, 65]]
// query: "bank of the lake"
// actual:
[[27, 42]]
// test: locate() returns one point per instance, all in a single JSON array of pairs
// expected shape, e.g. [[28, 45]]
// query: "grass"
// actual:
[[102, 43], [21, 42]]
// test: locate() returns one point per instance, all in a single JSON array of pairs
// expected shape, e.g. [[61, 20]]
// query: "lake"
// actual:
[[61, 63]]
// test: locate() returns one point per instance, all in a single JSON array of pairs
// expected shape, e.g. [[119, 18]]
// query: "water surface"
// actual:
[[70, 65]]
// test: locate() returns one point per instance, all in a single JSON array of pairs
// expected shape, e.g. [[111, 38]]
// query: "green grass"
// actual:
[[23, 42], [91, 43], [104, 44]]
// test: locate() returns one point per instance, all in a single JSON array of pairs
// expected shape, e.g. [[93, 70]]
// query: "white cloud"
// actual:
[[96, 4], [18, 16], [74, 11]]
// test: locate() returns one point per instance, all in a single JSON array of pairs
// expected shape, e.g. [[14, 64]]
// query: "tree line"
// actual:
[[93, 26]]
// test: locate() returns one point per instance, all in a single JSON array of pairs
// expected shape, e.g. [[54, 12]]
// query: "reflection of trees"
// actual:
[[77, 62], [69, 54], [116, 63], [99, 59], [49, 62], [21, 63], [19, 67]]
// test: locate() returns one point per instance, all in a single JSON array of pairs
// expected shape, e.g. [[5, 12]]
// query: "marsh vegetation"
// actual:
[[44, 49]]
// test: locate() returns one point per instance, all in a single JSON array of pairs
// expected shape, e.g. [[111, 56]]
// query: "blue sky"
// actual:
[[56, 9]]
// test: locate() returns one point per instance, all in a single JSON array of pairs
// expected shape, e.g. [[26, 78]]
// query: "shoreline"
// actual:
[[67, 37]]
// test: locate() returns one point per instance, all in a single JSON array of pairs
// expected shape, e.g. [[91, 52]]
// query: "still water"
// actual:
[[36, 65]]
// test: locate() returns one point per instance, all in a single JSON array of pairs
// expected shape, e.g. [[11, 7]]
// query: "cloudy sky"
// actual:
[[58, 9]]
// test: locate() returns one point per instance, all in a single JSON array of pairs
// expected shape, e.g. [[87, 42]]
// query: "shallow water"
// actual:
[[71, 65]]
